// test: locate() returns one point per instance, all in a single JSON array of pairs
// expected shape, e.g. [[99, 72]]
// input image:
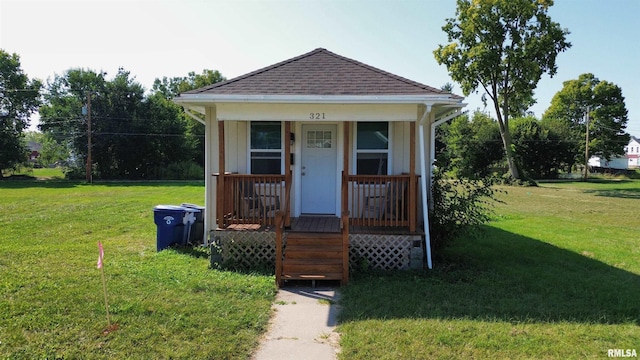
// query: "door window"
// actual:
[[318, 139]]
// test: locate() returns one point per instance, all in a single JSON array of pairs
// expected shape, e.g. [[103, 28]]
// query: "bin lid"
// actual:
[[169, 207], [193, 206]]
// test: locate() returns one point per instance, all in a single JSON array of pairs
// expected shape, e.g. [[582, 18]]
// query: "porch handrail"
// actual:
[[381, 200], [251, 198], [344, 230], [282, 220], [279, 246]]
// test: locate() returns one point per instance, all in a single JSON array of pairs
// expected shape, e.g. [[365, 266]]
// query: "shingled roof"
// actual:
[[320, 72]]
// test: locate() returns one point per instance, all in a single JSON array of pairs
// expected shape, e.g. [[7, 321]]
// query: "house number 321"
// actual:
[[316, 116]]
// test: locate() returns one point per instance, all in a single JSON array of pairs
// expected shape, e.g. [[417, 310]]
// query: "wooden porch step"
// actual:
[[301, 276], [311, 268], [313, 256], [314, 238], [313, 253], [312, 264]]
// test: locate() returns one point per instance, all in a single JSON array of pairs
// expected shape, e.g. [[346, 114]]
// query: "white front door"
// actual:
[[318, 169]]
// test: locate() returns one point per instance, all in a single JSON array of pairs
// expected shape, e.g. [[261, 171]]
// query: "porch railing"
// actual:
[[371, 200], [250, 198], [381, 200]]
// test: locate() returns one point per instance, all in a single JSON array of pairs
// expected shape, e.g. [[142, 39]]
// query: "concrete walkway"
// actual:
[[302, 326]]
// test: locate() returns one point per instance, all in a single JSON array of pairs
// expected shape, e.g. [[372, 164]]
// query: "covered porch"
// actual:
[[378, 226]]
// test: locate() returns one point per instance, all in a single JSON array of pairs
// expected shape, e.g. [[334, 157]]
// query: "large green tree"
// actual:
[[541, 149], [133, 136], [607, 115], [19, 98], [503, 47], [472, 146], [171, 87]]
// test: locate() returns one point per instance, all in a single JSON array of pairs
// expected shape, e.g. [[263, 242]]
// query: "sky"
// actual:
[[154, 38]]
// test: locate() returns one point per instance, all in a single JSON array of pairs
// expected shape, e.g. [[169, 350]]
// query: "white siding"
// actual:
[[236, 143]]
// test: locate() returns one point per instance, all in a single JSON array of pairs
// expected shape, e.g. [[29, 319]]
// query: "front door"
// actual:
[[318, 169]]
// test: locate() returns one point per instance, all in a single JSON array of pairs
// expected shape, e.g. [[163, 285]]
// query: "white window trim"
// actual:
[[354, 154], [250, 150]]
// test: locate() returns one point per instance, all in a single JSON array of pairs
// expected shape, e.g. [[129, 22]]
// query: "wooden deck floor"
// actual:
[[324, 224]]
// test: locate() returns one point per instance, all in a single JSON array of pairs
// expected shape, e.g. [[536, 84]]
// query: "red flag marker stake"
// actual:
[[104, 286]]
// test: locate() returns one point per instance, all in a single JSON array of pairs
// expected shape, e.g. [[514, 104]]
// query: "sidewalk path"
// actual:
[[302, 327]]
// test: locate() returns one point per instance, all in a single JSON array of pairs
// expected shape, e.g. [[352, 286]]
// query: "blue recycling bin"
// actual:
[[170, 225]]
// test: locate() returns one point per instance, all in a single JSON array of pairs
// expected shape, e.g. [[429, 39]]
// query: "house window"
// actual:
[[266, 148], [372, 148]]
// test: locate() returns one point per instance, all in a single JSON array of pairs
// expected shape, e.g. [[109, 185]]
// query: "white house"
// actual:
[[332, 145], [616, 163], [633, 153], [628, 161]]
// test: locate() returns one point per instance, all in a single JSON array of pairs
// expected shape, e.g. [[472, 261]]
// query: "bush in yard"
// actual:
[[459, 207], [75, 172]]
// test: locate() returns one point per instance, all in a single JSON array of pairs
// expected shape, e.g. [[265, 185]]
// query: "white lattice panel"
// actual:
[[251, 249], [248, 249], [385, 252]]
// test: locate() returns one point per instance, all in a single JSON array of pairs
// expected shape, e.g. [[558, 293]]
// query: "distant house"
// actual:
[[327, 143], [628, 161], [633, 153], [34, 150]]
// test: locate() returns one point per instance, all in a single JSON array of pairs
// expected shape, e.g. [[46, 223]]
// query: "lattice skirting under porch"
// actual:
[[256, 249]]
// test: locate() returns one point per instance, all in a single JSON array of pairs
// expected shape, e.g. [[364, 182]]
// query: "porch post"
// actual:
[[287, 173], [345, 172], [221, 169], [211, 168], [423, 184]]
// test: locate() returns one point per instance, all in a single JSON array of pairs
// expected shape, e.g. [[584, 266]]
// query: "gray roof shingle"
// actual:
[[319, 72]]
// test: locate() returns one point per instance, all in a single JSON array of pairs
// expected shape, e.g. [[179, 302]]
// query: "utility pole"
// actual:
[[586, 148], [89, 177]]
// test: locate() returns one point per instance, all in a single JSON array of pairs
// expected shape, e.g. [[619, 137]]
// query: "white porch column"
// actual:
[[422, 131], [211, 166]]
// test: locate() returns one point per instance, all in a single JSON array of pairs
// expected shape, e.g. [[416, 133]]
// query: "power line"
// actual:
[[145, 134]]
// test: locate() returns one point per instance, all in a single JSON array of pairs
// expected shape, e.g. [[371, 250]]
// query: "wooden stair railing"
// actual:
[[282, 219], [344, 226], [279, 231]]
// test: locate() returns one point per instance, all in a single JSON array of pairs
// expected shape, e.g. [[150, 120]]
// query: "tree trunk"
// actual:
[[506, 141], [506, 137]]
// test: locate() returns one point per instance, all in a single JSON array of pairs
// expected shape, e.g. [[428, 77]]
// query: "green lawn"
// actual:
[[49, 173], [555, 276], [30, 173], [167, 304]]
